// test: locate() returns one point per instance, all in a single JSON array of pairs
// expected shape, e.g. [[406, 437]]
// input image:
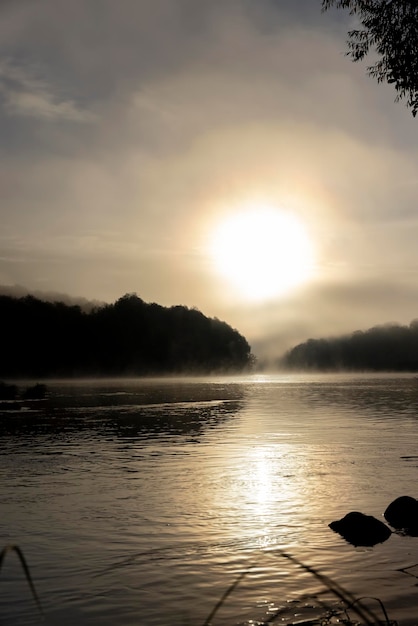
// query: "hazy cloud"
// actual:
[[25, 94], [129, 128]]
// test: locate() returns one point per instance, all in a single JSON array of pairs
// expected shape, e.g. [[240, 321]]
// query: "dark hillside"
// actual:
[[129, 337], [383, 348]]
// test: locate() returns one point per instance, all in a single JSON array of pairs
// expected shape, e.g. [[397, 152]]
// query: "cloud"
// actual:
[[25, 94]]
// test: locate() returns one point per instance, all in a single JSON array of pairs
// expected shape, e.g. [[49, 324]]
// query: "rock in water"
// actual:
[[402, 514], [361, 530]]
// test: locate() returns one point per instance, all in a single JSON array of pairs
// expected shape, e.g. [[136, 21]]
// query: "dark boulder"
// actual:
[[402, 514], [361, 530]]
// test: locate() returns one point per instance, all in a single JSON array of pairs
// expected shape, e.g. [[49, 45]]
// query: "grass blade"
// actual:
[[14, 548], [225, 596]]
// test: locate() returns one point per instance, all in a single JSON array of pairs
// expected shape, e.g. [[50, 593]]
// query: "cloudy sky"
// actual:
[[136, 132]]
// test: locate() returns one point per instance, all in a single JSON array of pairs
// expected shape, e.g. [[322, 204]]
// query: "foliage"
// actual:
[[390, 28], [383, 348], [129, 337]]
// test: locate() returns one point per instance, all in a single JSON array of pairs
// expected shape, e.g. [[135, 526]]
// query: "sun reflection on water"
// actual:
[[260, 478], [262, 492]]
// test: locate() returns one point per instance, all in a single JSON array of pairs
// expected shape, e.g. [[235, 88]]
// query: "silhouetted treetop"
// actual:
[[128, 337], [389, 28], [382, 348]]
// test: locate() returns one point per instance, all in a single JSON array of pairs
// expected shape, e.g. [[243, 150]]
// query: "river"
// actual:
[[142, 502]]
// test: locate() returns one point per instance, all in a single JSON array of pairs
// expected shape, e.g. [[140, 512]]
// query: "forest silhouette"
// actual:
[[128, 338], [390, 347]]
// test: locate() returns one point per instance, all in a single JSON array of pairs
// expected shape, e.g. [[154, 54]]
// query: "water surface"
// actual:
[[142, 501]]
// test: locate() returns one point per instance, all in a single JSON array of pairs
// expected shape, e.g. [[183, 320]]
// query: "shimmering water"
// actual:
[[141, 502]]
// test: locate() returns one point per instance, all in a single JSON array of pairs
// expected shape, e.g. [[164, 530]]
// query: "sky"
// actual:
[[134, 132]]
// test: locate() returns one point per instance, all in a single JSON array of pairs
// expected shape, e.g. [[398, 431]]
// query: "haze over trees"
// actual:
[[383, 348], [390, 29], [129, 337]]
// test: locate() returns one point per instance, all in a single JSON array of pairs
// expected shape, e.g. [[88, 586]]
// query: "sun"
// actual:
[[262, 252]]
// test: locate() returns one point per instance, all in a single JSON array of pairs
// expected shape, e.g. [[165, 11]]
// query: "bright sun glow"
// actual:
[[262, 251]]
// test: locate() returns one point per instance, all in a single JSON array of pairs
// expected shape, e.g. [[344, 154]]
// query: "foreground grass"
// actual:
[[349, 603], [18, 551]]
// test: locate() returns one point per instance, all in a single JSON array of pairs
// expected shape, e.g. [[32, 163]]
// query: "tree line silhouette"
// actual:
[[129, 337], [390, 347]]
